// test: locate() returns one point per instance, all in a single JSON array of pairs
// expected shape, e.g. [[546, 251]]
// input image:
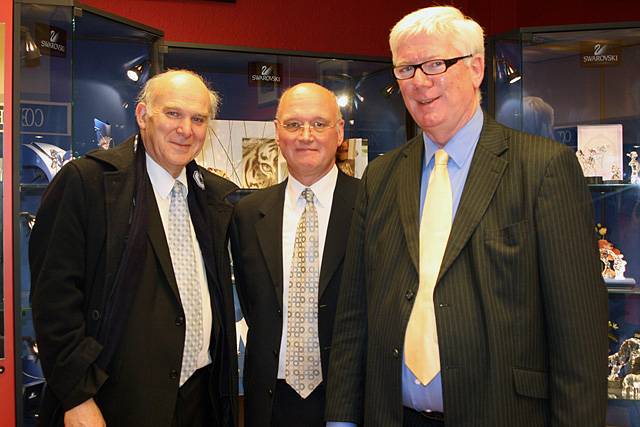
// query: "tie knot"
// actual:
[[178, 189], [442, 158], [307, 194]]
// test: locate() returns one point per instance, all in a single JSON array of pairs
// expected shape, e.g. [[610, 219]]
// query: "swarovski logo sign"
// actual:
[[51, 40], [263, 72], [599, 54]]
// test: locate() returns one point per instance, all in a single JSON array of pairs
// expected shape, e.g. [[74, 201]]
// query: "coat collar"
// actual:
[[487, 167]]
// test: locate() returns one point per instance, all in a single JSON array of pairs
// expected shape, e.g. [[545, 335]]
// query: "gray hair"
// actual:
[[148, 92], [465, 34]]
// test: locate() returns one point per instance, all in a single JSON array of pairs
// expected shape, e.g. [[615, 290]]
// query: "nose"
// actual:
[[184, 128], [421, 78], [305, 132]]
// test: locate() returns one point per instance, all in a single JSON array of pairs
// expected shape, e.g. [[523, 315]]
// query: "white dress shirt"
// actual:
[[162, 183], [294, 205]]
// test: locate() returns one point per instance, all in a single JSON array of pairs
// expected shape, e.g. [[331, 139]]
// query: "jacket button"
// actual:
[[95, 314], [280, 312], [275, 353], [179, 321], [270, 392], [409, 295], [173, 374], [443, 305], [396, 353]]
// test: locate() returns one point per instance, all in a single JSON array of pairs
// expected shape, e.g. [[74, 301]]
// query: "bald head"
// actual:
[[177, 79], [311, 89]]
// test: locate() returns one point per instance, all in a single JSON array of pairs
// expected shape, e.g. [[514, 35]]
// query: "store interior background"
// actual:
[[347, 28], [338, 26]]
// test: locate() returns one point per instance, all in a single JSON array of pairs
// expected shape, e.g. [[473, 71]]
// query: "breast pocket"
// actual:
[[506, 257]]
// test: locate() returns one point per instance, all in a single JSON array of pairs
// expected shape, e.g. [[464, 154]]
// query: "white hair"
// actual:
[[465, 34]]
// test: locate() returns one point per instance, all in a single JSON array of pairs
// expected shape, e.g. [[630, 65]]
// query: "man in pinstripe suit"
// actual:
[[519, 306]]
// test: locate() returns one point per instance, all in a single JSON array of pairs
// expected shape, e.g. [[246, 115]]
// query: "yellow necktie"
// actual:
[[421, 352]]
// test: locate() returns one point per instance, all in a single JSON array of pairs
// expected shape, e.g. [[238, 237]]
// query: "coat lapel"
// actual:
[[119, 188], [487, 168], [338, 228], [269, 232], [158, 240], [408, 196]]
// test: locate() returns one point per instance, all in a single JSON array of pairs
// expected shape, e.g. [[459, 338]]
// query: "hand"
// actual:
[[86, 414]]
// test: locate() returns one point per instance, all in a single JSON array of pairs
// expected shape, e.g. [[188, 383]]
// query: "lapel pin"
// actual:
[[197, 177]]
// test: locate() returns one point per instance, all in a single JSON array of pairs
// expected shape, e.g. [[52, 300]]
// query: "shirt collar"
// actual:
[[322, 188], [461, 146], [161, 180]]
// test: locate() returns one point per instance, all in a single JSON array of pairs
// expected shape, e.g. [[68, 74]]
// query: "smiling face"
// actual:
[[309, 154], [444, 103], [174, 126]]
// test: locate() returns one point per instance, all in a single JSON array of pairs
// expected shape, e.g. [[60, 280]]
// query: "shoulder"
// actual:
[[257, 198], [217, 187], [258, 203], [347, 185], [524, 145]]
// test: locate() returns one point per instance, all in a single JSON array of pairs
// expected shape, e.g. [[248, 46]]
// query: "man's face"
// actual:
[[174, 132], [309, 154], [444, 103]]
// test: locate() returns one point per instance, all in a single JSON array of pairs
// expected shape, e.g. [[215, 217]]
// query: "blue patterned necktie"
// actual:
[[302, 362], [184, 268]]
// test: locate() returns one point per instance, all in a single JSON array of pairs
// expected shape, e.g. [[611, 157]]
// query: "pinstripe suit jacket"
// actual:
[[521, 309]]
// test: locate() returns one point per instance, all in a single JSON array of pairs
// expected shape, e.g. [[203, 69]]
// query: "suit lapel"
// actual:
[[269, 232], [408, 196], [159, 241], [484, 176], [337, 230]]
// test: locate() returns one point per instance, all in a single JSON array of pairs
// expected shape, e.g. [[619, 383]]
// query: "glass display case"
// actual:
[[580, 85], [79, 74]]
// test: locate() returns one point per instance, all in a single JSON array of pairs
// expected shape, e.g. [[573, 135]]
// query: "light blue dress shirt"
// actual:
[[460, 149]]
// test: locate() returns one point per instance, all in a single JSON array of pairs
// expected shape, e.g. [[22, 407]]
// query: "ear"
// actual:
[[340, 130], [477, 70], [275, 125], [141, 115]]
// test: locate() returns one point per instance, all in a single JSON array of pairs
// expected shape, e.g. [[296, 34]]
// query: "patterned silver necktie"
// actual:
[[184, 268], [303, 370]]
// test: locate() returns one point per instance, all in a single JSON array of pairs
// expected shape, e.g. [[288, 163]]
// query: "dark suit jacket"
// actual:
[[521, 309], [256, 240], [75, 250]]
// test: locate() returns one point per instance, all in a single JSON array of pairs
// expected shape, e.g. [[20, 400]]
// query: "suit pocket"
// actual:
[[509, 236], [531, 383]]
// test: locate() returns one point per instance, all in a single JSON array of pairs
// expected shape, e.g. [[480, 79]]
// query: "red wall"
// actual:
[[342, 26]]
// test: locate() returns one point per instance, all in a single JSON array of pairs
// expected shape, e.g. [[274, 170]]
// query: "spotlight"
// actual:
[[137, 70], [513, 75], [343, 100], [134, 73], [506, 71], [29, 50]]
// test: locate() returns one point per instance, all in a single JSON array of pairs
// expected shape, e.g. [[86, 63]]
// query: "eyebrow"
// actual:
[[191, 113]]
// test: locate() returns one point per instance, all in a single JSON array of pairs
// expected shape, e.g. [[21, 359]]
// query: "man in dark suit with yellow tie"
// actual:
[[289, 300], [471, 294]]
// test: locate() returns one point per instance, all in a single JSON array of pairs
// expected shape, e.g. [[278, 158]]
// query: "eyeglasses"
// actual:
[[430, 68], [295, 126]]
